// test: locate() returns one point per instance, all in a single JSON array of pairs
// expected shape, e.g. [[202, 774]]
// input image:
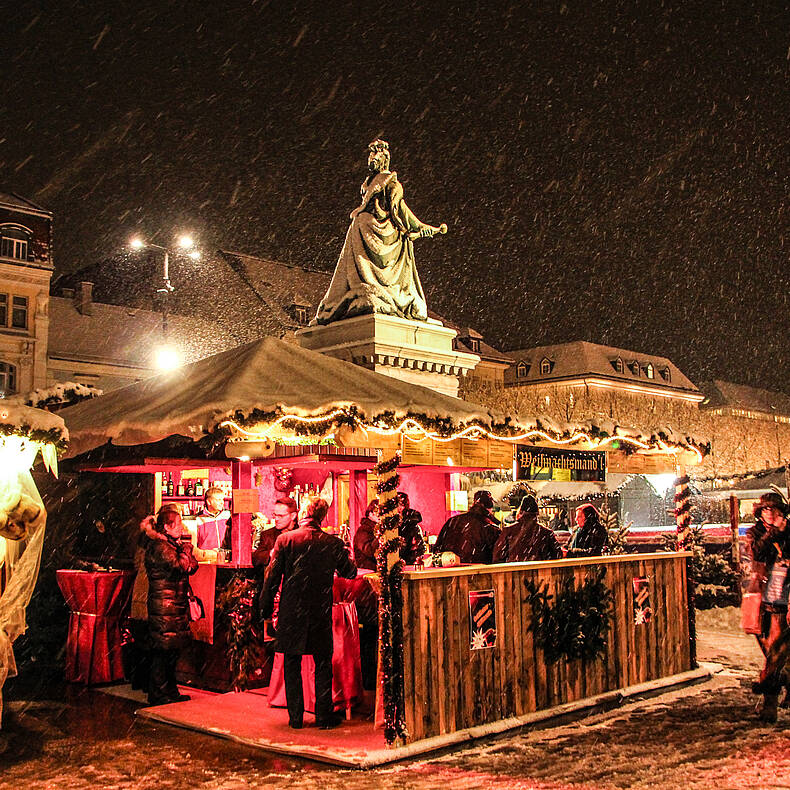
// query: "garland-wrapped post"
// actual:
[[683, 524], [389, 566]]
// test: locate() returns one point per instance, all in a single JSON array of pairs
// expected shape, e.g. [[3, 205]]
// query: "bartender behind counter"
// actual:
[[210, 527]]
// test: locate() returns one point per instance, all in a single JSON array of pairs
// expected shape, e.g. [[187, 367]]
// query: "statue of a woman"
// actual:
[[375, 272]]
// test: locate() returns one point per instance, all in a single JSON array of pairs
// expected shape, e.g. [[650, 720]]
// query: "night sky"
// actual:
[[618, 176]]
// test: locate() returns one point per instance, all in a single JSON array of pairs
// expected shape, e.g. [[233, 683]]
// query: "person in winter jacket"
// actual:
[[769, 541], [590, 536], [304, 561], [365, 543], [409, 530], [169, 562], [527, 540], [471, 535]]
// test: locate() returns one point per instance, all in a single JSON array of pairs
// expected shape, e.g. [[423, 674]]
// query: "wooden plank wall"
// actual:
[[450, 687]]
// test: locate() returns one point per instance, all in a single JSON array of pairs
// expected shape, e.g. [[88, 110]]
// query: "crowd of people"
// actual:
[[296, 562]]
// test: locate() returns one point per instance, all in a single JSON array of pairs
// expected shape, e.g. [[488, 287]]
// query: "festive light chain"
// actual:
[[410, 425], [682, 511]]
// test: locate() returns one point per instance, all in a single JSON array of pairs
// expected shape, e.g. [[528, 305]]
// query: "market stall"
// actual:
[[24, 433], [248, 418]]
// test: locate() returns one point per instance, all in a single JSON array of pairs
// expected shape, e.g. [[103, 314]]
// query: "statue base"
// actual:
[[420, 352]]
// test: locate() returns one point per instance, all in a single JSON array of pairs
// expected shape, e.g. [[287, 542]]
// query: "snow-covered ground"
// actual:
[[697, 738]]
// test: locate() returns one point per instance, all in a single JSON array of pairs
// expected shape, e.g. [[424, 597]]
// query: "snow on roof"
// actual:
[[720, 393], [580, 358], [17, 201], [21, 420], [266, 374], [559, 489]]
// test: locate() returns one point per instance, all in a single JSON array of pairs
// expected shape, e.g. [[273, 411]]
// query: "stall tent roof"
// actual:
[[266, 374]]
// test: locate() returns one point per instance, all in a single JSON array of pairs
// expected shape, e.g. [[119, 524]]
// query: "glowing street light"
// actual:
[[167, 358]]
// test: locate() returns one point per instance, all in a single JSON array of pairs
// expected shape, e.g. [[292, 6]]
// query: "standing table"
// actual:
[[97, 600]]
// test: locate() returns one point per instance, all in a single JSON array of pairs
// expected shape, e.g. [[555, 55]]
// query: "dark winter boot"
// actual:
[[768, 712]]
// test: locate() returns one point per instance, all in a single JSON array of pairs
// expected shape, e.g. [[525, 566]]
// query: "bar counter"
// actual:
[[450, 687]]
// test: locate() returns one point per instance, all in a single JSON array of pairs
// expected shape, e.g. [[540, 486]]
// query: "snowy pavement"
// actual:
[[704, 736]]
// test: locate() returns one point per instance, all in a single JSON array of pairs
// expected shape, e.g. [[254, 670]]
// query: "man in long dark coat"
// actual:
[[304, 561], [471, 535]]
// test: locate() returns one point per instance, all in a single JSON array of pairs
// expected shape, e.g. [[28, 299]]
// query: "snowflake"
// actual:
[[642, 616]]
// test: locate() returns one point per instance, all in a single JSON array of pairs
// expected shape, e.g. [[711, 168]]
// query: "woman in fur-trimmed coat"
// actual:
[[169, 562]]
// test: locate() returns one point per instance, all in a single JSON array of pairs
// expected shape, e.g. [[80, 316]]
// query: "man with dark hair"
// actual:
[[471, 535], [409, 529], [304, 561], [285, 511], [527, 539]]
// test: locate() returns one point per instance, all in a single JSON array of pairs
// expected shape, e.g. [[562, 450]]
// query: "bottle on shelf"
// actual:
[[198, 488], [180, 488], [169, 488], [190, 488]]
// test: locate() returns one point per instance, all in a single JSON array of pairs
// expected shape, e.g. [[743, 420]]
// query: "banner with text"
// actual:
[[548, 463]]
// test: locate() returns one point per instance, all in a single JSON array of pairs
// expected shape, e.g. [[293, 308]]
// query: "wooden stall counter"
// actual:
[[471, 659]]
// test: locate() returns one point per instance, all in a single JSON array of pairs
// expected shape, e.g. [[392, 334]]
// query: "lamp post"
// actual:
[[167, 358]]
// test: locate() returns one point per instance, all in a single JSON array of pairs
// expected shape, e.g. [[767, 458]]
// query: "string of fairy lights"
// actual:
[[417, 432]]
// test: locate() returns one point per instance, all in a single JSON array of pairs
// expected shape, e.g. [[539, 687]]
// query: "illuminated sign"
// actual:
[[545, 463]]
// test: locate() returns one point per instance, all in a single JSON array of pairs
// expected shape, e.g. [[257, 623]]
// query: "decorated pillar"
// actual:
[[241, 523], [683, 527], [389, 566]]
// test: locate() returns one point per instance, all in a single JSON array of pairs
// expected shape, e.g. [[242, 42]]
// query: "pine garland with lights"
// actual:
[[684, 538], [237, 603], [576, 624], [389, 566]]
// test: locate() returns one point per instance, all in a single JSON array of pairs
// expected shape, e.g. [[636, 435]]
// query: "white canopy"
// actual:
[[266, 374]]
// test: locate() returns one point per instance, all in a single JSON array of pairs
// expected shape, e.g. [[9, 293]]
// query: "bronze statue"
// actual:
[[376, 272]]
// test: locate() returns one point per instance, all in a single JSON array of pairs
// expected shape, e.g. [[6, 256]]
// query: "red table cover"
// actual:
[[97, 601], [346, 665]]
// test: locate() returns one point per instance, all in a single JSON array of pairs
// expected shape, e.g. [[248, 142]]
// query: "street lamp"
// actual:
[[186, 244]]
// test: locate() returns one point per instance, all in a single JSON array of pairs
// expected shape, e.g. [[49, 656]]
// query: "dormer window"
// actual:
[[14, 243], [522, 370], [618, 365], [633, 366], [300, 313], [474, 345], [649, 371], [665, 374], [546, 366]]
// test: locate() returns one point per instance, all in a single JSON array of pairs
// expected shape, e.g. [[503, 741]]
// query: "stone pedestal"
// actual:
[[420, 352]]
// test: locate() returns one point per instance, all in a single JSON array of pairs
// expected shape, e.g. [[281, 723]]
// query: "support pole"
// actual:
[[683, 526], [389, 566], [241, 523]]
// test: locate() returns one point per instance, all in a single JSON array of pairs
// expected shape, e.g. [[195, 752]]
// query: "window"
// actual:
[[14, 243], [301, 315], [617, 364], [7, 378], [649, 371], [474, 345], [665, 374], [633, 366], [546, 366], [522, 370], [19, 312], [3, 309]]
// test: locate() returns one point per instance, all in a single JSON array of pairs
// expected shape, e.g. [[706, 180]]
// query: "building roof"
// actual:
[[128, 336], [726, 394], [13, 200], [583, 359], [486, 352]]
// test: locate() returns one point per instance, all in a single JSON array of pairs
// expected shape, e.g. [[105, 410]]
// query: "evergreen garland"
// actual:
[[52, 436], [576, 624], [237, 603], [389, 567]]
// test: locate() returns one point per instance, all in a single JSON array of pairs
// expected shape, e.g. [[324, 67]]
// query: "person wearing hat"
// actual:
[[527, 539], [471, 535], [769, 543]]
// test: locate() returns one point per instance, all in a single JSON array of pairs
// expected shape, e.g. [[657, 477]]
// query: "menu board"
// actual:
[[246, 500], [476, 453]]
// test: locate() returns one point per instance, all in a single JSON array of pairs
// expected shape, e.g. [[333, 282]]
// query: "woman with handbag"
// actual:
[[769, 540], [169, 562]]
